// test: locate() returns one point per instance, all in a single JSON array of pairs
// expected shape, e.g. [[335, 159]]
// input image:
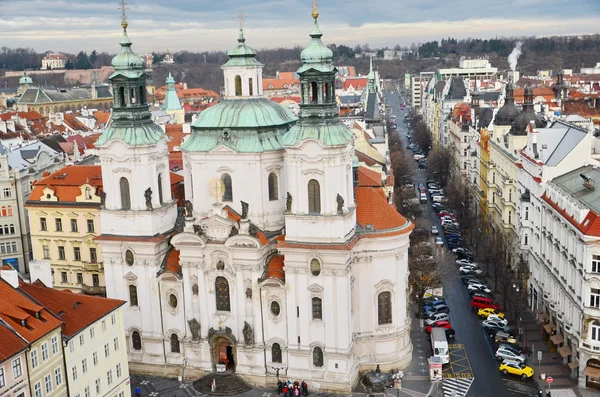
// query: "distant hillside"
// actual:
[[203, 69]]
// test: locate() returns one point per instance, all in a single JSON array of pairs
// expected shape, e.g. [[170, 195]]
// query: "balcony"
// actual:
[[93, 266], [93, 290]]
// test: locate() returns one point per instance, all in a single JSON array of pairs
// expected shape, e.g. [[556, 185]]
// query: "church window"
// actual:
[[133, 297], [173, 301], [195, 289], [384, 307], [122, 96], [160, 192], [174, 344], [227, 188], [314, 197], [136, 340], [222, 294], [238, 86], [315, 267], [273, 187], [220, 265], [318, 357], [317, 308], [314, 90], [129, 257], [275, 308], [276, 353], [125, 195], [250, 88]]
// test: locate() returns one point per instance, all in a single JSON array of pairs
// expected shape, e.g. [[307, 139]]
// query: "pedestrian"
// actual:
[[296, 392], [279, 387], [138, 392], [304, 388], [285, 391]]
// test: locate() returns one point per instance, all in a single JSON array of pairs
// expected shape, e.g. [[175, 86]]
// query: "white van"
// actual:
[[423, 197], [437, 198]]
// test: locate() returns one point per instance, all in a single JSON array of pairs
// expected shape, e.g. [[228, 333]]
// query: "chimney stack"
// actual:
[[41, 270], [10, 276]]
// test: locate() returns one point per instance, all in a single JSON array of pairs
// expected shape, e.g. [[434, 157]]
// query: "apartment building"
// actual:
[[14, 378]]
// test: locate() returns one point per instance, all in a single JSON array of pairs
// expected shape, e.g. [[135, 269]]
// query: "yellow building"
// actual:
[[64, 219], [46, 101], [484, 166]]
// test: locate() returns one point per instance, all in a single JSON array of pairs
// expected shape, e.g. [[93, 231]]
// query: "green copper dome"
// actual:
[[241, 54], [25, 79], [256, 112], [316, 55], [126, 59]]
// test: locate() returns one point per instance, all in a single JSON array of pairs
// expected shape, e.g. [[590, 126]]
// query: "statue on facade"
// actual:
[[189, 209], [198, 230], [195, 329], [244, 210], [103, 199], [248, 334], [148, 196], [288, 203], [340, 204], [248, 293]]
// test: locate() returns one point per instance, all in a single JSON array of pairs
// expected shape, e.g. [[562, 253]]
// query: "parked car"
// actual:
[[480, 302], [437, 317], [434, 230], [462, 251], [439, 241], [492, 328], [516, 368], [467, 278], [504, 337], [437, 309], [494, 317], [494, 324], [450, 333], [504, 353], [485, 313], [476, 287], [439, 324], [464, 262], [469, 270], [516, 348], [428, 306]]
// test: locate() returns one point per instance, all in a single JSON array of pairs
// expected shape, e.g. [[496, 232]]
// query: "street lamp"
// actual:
[[398, 381]]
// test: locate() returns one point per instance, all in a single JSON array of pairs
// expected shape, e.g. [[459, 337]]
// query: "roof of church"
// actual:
[[171, 101], [275, 268], [241, 54], [316, 56], [78, 311], [329, 134], [376, 216]]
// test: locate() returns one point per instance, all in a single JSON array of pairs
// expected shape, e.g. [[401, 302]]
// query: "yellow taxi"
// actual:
[[516, 368], [485, 312]]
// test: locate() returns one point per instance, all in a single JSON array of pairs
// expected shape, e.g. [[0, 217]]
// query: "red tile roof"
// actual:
[[232, 214], [11, 344], [66, 182], [546, 92], [279, 99], [76, 125], [372, 208], [80, 142], [175, 133], [590, 225], [280, 84], [275, 268], [101, 117], [357, 83], [78, 311], [368, 178], [20, 311], [173, 265]]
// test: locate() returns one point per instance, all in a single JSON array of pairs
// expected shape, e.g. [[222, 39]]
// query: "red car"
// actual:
[[438, 324], [481, 302]]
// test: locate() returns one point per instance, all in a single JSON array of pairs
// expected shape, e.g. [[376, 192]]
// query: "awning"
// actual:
[[565, 351], [557, 339], [549, 327], [543, 317], [591, 371], [573, 364]]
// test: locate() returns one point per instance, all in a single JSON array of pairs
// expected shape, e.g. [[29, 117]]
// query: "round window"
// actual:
[[129, 258], [275, 309], [173, 301], [315, 267]]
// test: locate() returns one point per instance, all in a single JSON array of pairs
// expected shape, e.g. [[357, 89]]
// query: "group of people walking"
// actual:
[[292, 388]]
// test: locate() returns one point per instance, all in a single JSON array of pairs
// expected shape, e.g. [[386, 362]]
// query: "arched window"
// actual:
[[142, 94], [276, 353], [136, 340], [160, 193], [317, 308], [133, 298], [174, 344], [315, 267], [314, 88], [314, 197], [326, 92], [4, 211], [238, 86], [133, 96], [318, 357], [250, 88], [384, 307], [88, 193], [42, 111], [125, 197], [273, 187], [222, 294], [122, 97], [6, 229], [12, 229], [10, 210], [227, 188]]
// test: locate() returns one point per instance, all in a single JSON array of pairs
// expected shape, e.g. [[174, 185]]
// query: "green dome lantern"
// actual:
[[126, 59], [316, 52]]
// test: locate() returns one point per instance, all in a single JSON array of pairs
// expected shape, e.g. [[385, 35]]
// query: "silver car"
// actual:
[[504, 353], [437, 317]]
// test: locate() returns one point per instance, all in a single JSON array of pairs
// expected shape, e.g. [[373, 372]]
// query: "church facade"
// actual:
[[282, 261]]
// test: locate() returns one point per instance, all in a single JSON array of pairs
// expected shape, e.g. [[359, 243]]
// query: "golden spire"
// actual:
[[123, 8], [315, 11], [241, 18]]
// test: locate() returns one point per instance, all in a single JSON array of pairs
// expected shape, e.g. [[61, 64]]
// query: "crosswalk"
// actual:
[[456, 387]]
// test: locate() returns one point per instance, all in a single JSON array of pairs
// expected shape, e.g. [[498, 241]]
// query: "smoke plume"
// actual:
[[514, 56]]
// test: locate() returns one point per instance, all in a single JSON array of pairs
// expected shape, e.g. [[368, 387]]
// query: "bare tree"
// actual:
[[439, 163], [422, 135]]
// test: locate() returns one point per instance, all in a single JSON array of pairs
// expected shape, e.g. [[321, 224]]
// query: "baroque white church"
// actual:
[[282, 257]]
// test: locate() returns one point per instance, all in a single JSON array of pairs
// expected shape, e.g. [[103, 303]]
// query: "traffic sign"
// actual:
[[549, 379]]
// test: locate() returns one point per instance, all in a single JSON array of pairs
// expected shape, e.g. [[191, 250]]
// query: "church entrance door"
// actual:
[[224, 353]]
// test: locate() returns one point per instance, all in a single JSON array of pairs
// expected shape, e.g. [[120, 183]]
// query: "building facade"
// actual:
[[222, 292], [54, 61], [14, 376]]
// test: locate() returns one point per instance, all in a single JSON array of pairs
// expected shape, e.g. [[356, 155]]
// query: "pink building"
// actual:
[[14, 380]]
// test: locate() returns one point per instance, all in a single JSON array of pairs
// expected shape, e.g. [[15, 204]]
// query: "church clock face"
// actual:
[[129, 258]]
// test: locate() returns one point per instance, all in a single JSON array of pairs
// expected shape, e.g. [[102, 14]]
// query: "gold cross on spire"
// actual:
[[123, 7], [241, 18], [315, 10]]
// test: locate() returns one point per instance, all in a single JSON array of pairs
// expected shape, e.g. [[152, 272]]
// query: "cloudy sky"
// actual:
[[200, 25]]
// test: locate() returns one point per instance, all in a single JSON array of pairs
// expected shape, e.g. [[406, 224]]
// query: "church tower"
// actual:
[[318, 157]]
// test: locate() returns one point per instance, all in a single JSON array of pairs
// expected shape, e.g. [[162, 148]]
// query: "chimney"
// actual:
[[10, 276], [40, 270]]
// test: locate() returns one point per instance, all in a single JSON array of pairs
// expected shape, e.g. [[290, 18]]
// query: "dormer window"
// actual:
[[88, 193]]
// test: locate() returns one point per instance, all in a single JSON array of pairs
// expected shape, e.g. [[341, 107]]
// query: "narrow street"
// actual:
[[472, 353]]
